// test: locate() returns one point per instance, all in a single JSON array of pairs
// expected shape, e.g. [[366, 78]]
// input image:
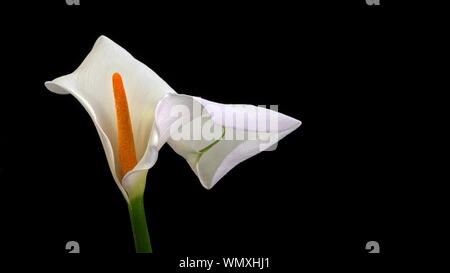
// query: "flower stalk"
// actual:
[[139, 224]]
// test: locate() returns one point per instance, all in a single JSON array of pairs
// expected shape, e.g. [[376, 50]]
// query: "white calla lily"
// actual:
[[124, 119], [228, 134], [91, 85], [133, 125]]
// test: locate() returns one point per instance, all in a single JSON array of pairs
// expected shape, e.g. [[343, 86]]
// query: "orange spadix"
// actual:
[[127, 150]]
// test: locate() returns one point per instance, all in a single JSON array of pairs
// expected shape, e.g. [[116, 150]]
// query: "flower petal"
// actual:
[[91, 85], [247, 131]]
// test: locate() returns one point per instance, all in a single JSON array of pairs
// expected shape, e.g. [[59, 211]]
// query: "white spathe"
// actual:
[[91, 85], [212, 158], [151, 101]]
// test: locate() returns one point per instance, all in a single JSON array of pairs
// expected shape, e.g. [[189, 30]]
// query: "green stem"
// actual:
[[139, 225]]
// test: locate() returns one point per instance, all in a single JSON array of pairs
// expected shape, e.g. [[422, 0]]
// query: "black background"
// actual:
[[332, 185]]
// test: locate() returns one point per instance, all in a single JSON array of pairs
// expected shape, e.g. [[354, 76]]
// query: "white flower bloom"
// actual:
[[135, 112], [214, 137], [241, 131], [91, 85]]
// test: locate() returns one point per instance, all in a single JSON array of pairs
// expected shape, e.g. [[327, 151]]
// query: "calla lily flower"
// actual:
[[123, 119], [214, 137], [135, 112], [91, 85]]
